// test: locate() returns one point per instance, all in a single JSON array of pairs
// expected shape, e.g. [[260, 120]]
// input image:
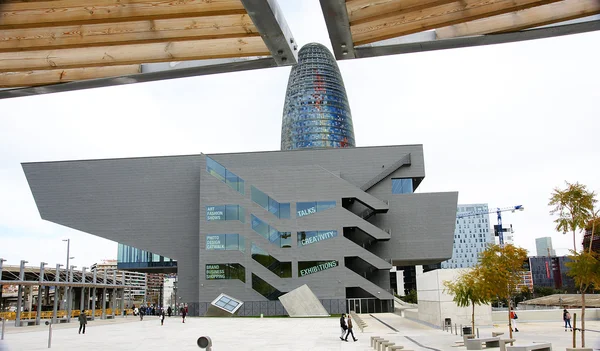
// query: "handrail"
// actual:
[[361, 324]]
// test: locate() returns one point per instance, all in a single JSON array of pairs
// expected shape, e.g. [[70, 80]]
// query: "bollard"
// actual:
[[461, 333], [49, 334], [477, 333], [455, 330], [3, 325]]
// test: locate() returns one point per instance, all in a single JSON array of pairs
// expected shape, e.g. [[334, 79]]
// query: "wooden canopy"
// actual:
[[44, 42], [364, 28]]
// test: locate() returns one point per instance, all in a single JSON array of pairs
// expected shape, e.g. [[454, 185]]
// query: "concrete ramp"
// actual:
[[302, 302]]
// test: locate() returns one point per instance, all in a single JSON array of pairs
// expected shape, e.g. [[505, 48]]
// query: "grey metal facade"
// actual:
[[160, 204]]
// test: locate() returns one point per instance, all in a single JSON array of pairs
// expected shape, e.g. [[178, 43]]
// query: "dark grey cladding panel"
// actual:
[[356, 165], [423, 228], [148, 203]]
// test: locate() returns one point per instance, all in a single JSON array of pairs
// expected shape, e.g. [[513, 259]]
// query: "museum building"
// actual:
[[257, 225]]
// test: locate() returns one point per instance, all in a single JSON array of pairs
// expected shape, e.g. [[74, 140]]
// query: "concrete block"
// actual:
[[302, 302]]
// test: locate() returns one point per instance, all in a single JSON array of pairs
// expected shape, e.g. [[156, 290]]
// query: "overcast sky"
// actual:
[[500, 124]]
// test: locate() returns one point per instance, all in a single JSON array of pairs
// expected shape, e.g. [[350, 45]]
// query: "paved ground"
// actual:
[[261, 334]]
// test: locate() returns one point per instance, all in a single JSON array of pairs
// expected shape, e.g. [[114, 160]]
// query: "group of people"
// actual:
[[346, 326], [143, 310]]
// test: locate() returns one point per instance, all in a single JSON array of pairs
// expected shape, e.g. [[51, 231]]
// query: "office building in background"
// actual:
[[543, 247], [471, 237]]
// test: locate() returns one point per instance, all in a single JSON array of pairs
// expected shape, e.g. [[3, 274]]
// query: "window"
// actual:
[[281, 239], [229, 242], [308, 208], [311, 237], [227, 303], [221, 173], [264, 288], [225, 271], [280, 210], [310, 267], [281, 269], [402, 186], [225, 213]]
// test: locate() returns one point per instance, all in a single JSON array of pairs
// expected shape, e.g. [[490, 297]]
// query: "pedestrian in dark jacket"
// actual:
[[169, 311], [183, 313], [343, 326], [567, 319], [162, 317], [350, 329], [82, 321]]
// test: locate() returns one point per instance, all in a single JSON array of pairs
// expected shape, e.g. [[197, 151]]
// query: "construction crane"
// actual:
[[498, 211]]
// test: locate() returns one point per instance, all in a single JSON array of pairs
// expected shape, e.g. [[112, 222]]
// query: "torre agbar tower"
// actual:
[[316, 113]]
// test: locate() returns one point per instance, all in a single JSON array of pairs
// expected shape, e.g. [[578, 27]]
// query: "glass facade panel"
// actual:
[[260, 227], [225, 213], [281, 269], [316, 112], [220, 172], [270, 233], [225, 271], [270, 204], [402, 186], [259, 197], [311, 267], [284, 210], [131, 257], [311, 237], [230, 242], [308, 208], [264, 288]]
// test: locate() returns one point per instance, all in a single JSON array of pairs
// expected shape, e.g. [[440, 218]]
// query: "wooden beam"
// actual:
[[127, 33], [132, 54], [361, 11], [37, 78], [436, 17], [534, 17], [67, 12]]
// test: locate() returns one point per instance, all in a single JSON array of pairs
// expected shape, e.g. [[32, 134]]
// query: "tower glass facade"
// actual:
[[316, 113]]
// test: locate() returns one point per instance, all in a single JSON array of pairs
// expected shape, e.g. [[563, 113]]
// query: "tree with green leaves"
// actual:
[[501, 268], [574, 207], [585, 270], [468, 289]]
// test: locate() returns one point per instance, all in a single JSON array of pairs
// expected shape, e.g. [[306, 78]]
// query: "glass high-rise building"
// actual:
[[316, 113]]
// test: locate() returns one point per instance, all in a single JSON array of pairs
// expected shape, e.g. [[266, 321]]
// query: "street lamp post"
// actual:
[[69, 295], [68, 253]]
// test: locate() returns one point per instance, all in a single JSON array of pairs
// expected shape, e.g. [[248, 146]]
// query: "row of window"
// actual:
[[402, 186], [226, 213], [131, 257], [225, 271], [229, 242], [275, 237], [281, 269], [280, 210], [220, 172]]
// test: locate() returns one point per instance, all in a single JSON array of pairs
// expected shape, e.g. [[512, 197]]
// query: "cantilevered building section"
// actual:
[[316, 113], [257, 225]]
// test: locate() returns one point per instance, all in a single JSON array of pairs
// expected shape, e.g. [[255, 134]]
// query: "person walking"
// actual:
[[567, 319], [162, 317], [343, 326], [349, 325], [82, 321], [513, 318], [169, 311], [183, 313], [142, 313]]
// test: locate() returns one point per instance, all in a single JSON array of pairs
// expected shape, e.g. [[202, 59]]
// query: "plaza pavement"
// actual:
[[262, 334]]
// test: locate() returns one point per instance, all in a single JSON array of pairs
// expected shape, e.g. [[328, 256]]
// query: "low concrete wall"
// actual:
[[591, 314], [435, 305]]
